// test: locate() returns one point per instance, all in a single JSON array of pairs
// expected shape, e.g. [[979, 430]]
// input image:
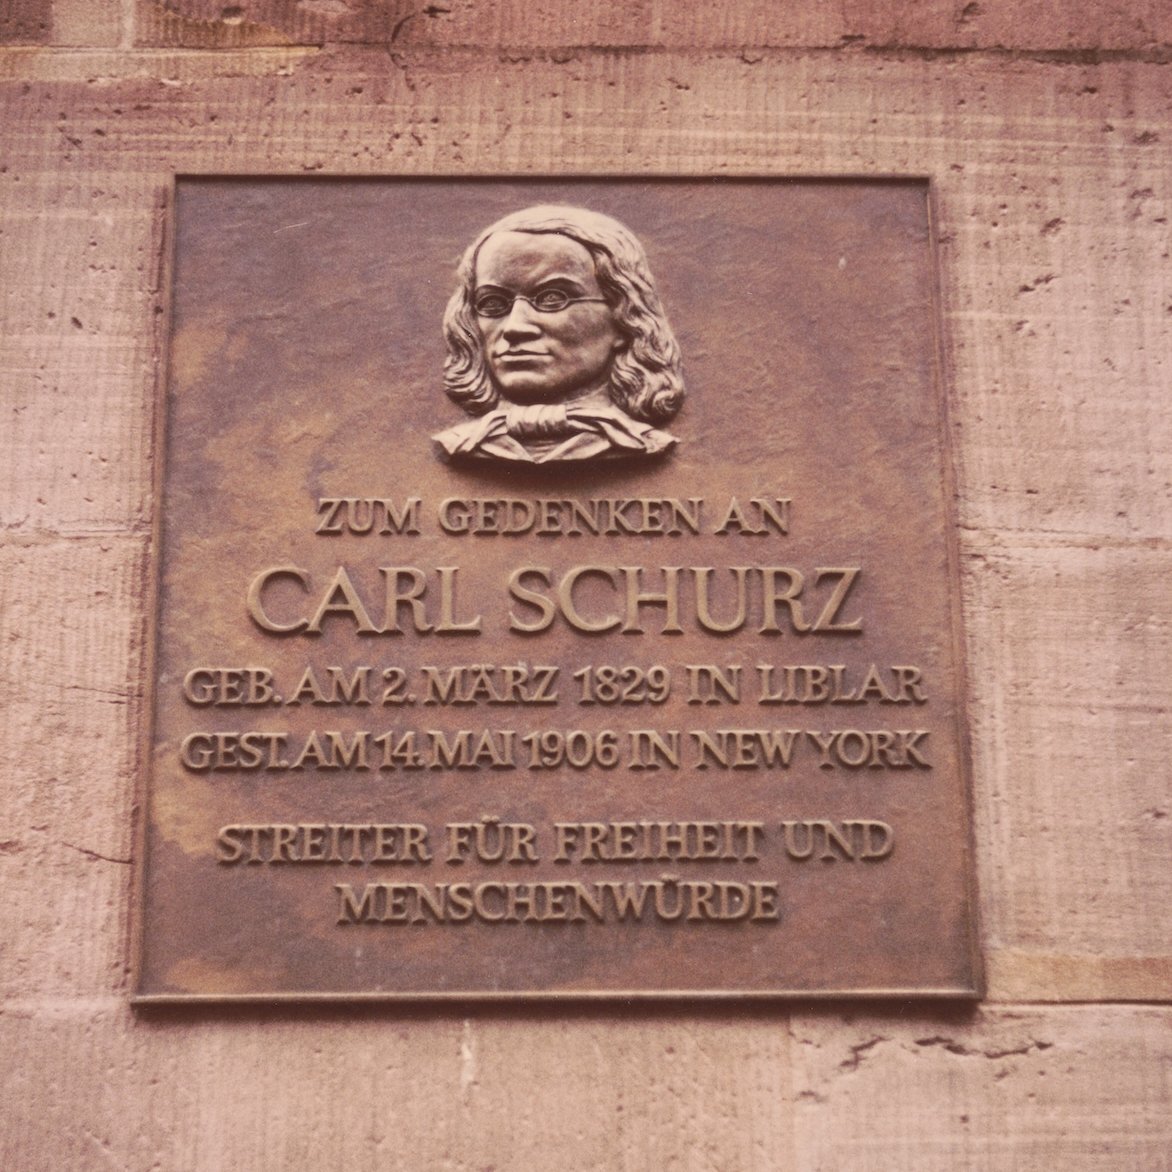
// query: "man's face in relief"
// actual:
[[556, 345]]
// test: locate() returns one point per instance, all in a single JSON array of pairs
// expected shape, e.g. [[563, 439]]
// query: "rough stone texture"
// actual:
[[594, 1092], [1049, 26], [86, 23], [1080, 710], [1006, 1089], [1053, 185], [26, 22], [70, 739]]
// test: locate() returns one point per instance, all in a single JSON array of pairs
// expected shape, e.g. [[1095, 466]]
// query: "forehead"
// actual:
[[517, 259]]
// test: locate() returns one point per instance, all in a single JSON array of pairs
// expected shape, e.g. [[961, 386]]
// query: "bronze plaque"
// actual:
[[557, 596]]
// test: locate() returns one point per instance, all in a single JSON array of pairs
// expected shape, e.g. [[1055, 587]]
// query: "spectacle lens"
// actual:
[[494, 304]]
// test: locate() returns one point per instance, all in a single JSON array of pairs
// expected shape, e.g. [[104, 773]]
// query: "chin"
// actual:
[[526, 395]]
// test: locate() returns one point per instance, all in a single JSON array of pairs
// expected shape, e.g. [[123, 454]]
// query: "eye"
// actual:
[[492, 304], [551, 300]]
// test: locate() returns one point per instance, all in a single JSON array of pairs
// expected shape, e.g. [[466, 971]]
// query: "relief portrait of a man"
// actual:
[[557, 344]]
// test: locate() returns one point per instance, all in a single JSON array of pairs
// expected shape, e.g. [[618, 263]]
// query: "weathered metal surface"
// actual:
[[430, 720]]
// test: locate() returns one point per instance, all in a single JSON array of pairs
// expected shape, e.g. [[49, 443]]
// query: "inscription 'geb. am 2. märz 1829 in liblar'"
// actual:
[[524, 684]]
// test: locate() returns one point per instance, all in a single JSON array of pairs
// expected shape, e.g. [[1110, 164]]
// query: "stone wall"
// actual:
[[1046, 129]]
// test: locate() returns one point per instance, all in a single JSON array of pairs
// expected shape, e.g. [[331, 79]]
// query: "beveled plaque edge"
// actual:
[[942, 993], [150, 626], [941, 354]]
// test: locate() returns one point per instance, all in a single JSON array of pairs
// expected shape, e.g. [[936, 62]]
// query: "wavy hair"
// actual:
[[645, 375]]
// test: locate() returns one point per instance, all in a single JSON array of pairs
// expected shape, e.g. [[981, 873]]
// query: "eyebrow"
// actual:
[[550, 280]]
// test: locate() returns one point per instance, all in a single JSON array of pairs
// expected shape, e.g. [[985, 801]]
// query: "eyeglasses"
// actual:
[[546, 301]]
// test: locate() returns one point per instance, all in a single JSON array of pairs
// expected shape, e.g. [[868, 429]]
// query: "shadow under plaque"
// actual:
[[556, 596]]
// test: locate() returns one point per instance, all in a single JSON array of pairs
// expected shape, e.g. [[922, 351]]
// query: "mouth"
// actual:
[[520, 358]]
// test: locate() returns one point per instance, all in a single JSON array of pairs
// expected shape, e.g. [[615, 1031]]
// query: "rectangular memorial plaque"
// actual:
[[557, 596]]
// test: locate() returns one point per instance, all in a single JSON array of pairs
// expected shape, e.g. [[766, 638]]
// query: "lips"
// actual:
[[520, 357]]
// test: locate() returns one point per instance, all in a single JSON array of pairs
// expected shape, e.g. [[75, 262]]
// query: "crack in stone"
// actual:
[[958, 1048], [848, 1065], [96, 856]]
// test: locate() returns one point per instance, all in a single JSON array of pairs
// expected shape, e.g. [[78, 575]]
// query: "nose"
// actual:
[[520, 322]]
